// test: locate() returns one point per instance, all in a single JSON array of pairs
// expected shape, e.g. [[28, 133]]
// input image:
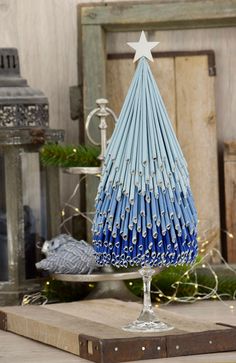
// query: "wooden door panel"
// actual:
[[196, 131], [164, 72]]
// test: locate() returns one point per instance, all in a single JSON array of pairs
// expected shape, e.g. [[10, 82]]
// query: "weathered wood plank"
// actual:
[[196, 131], [130, 310], [94, 337], [163, 70], [15, 348], [94, 87], [94, 65], [44, 353], [120, 73], [230, 199], [175, 15]]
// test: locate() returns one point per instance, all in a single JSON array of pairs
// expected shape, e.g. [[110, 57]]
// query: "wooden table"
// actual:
[[19, 349]]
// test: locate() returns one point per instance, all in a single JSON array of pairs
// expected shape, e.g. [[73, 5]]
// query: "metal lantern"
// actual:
[[29, 194]]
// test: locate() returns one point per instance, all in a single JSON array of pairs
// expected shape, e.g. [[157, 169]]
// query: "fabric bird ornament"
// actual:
[[66, 255]]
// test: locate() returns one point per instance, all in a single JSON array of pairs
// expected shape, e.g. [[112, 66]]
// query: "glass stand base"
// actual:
[[147, 321], [147, 327]]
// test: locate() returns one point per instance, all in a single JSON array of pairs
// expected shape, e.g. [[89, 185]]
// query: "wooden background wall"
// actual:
[[45, 33]]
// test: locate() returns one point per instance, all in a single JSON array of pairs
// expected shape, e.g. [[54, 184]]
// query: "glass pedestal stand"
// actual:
[[109, 284], [147, 321]]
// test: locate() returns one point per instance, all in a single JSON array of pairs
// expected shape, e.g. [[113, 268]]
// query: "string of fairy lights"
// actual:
[[210, 292], [68, 206], [197, 295]]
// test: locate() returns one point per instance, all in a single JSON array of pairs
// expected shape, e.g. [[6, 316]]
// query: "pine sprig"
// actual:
[[69, 155], [166, 280]]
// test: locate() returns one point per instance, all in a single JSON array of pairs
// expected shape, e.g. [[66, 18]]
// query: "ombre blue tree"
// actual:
[[145, 213]]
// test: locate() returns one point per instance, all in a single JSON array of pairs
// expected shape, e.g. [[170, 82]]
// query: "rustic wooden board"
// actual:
[[119, 74], [94, 87], [163, 70], [92, 330], [230, 198], [196, 131], [178, 15]]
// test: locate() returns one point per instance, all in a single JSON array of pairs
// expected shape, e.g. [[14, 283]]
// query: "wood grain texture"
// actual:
[[221, 41], [94, 87], [26, 350], [15, 348], [230, 199], [119, 74], [196, 131], [164, 72], [175, 15], [118, 313], [71, 327]]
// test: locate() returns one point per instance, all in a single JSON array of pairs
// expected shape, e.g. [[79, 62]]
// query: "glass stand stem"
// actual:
[[147, 314], [147, 321]]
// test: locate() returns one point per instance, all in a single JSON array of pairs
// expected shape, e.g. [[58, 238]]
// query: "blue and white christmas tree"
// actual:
[[145, 213]]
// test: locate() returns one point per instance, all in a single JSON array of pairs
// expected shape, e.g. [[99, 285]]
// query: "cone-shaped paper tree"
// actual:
[[145, 214]]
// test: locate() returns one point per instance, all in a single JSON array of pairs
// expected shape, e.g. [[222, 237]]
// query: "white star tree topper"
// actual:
[[143, 47]]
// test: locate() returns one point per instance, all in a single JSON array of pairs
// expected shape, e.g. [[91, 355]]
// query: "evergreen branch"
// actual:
[[166, 282], [69, 155]]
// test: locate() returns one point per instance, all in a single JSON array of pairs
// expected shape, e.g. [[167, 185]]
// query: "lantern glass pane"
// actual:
[[32, 202], [3, 224]]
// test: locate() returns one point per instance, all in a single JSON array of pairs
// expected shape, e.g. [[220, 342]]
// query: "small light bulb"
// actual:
[[203, 265], [74, 150], [47, 283], [63, 213], [130, 283], [77, 210], [231, 307]]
